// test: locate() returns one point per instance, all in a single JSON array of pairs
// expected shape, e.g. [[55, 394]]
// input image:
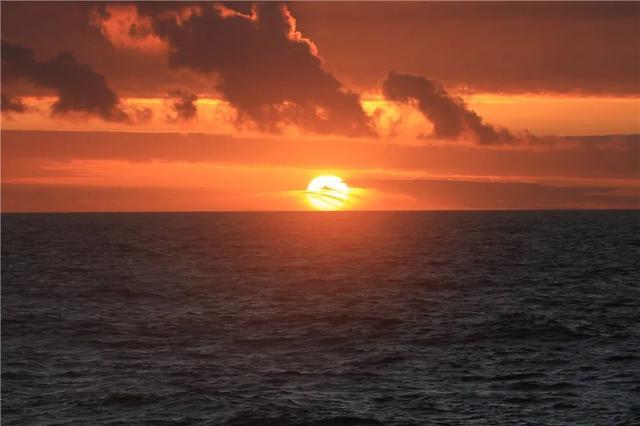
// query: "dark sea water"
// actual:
[[321, 318]]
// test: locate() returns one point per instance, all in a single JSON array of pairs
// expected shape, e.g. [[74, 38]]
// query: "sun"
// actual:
[[327, 193]]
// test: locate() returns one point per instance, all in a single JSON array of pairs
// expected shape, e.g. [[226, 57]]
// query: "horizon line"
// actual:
[[560, 209]]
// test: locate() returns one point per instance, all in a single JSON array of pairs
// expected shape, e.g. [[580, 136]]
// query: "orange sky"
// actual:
[[163, 108]]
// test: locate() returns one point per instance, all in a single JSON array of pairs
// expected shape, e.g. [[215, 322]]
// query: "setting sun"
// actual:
[[327, 193]]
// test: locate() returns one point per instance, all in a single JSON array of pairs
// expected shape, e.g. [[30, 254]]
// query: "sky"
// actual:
[[236, 106]]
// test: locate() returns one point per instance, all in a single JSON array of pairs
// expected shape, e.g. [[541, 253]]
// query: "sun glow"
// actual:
[[327, 193]]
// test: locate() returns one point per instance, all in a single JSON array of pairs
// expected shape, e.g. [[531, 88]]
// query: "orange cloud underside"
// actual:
[[553, 115]]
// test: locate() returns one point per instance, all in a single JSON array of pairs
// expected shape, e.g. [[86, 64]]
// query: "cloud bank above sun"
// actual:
[[509, 100], [256, 59]]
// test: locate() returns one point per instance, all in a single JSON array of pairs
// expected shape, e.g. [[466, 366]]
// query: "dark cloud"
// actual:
[[266, 69], [184, 105], [11, 104], [76, 27], [78, 86], [449, 114]]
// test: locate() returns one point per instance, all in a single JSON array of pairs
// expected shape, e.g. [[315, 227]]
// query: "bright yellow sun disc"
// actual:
[[327, 193]]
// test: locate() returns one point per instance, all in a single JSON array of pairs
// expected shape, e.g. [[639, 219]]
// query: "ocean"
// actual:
[[321, 318]]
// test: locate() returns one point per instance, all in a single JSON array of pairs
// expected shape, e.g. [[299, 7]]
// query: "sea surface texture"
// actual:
[[342, 318]]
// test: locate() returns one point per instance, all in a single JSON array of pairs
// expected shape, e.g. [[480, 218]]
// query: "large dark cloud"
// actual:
[[266, 69], [449, 114], [184, 105], [78, 86], [11, 104]]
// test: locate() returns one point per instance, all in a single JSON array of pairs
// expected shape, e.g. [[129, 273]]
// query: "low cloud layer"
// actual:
[[463, 195], [266, 69], [451, 117], [79, 88], [599, 158]]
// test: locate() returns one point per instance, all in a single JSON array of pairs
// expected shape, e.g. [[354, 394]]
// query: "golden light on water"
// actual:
[[327, 193]]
